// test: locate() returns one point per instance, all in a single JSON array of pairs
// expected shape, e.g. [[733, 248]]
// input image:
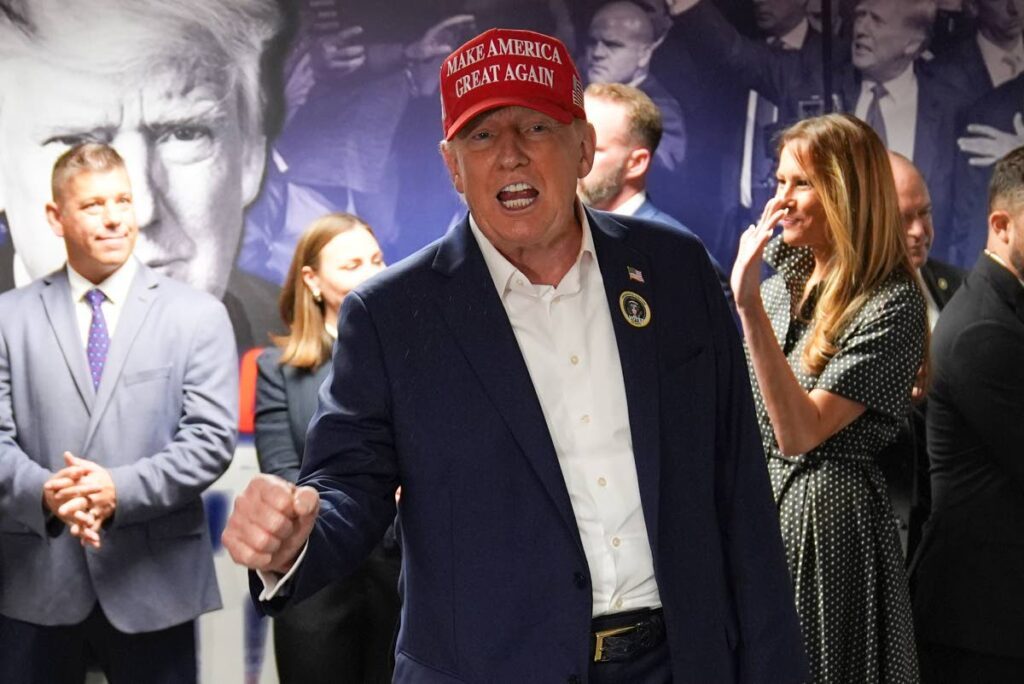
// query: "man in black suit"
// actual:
[[905, 462], [881, 81], [969, 598]]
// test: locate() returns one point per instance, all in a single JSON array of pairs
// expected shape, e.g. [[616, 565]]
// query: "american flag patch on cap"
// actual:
[[577, 92]]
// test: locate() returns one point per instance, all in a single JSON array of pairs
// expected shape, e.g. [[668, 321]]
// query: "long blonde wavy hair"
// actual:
[[848, 166], [307, 344]]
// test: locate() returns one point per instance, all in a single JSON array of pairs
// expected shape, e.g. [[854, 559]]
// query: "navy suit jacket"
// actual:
[[429, 390]]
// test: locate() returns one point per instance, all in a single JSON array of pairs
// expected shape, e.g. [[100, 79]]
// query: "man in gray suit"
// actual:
[[118, 403]]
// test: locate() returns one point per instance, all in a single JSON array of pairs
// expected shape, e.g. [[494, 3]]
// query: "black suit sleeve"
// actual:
[[275, 445], [770, 646], [989, 395], [772, 72]]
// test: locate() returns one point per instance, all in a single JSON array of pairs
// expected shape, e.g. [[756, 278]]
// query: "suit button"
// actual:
[[572, 679], [580, 580]]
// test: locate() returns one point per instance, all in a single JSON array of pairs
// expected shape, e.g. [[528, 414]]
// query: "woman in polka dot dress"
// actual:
[[834, 341]]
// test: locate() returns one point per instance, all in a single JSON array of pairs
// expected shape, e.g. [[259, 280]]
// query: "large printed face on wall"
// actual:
[[178, 126], [1001, 21], [620, 44], [778, 17]]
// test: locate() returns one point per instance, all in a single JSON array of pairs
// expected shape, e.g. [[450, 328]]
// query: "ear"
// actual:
[[644, 58], [53, 218], [310, 278], [254, 162], [451, 161], [999, 224], [914, 46], [588, 147], [637, 163]]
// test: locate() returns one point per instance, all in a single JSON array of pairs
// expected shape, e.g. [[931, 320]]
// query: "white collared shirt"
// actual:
[[115, 288], [566, 337], [899, 110], [793, 40], [996, 59], [632, 205]]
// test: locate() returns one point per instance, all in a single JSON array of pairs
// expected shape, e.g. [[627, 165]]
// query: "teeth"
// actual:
[[517, 203], [516, 187]]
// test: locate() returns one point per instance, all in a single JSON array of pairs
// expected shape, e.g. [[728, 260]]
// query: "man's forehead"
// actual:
[[618, 21], [503, 113], [55, 98]]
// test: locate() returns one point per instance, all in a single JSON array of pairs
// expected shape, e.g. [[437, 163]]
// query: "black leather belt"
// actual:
[[623, 636]]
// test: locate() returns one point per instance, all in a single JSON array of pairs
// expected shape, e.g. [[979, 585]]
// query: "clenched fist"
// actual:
[[270, 523]]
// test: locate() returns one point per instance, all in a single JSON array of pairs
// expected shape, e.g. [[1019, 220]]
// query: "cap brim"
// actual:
[[539, 105]]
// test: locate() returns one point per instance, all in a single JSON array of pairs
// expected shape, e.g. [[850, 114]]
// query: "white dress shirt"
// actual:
[[115, 288], [566, 336], [1002, 65], [930, 304], [899, 110], [630, 206]]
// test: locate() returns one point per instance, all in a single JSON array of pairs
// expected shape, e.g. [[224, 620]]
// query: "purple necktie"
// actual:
[[99, 338]]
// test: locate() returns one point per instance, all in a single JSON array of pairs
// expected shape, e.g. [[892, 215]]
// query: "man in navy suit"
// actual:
[[563, 399], [627, 127]]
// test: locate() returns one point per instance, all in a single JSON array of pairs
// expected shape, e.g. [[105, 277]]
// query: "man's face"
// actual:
[[601, 187], [95, 219], [620, 44], [518, 170], [916, 210], [884, 42], [1001, 20], [192, 168], [778, 17]]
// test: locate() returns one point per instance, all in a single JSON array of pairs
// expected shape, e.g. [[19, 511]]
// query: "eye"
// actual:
[[187, 133], [480, 135], [352, 265]]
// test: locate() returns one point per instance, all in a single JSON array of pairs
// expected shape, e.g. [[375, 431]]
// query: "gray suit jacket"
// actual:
[[163, 422]]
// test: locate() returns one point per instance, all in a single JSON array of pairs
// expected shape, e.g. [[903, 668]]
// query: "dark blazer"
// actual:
[[648, 211], [793, 80], [963, 68], [430, 391], [968, 590], [905, 462], [286, 399], [970, 225]]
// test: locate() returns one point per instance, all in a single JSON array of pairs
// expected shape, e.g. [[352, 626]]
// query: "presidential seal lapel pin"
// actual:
[[634, 309]]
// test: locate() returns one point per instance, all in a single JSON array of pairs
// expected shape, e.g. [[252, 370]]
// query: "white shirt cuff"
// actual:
[[274, 583]]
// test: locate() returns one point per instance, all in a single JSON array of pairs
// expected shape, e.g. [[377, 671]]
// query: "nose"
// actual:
[[143, 173], [113, 214], [510, 153]]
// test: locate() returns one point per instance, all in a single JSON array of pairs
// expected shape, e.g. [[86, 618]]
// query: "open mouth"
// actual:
[[517, 196]]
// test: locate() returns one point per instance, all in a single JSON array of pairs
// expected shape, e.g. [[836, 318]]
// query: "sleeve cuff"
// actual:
[[275, 584]]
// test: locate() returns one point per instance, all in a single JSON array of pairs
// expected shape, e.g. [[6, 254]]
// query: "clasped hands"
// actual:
[[82, 496]]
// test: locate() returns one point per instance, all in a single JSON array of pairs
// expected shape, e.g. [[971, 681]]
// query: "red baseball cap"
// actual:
[[506, 67]]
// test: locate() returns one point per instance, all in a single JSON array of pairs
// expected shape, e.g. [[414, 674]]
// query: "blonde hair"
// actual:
[[307, 344], [848, 166], [83, 158]]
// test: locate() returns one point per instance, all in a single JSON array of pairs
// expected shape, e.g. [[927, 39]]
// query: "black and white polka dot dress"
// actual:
[[836, 519]]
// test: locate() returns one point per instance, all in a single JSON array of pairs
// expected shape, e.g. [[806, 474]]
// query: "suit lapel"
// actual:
[[140, 298], [61, 315], [638, 355], [928, 129], [474, 313]]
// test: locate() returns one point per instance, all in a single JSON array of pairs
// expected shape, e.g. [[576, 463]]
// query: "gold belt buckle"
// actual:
[[599, 638]]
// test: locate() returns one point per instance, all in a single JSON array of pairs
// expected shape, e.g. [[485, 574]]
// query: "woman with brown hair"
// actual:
[[834, 341], [343, 633]]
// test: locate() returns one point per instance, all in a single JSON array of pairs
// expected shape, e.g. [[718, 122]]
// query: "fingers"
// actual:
[[264, 528], [451, 22], [348, 33]]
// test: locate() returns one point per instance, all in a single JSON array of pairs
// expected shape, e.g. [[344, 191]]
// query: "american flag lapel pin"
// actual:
[[635, 274]]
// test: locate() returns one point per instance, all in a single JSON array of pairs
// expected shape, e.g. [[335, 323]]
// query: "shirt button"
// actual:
[[519, 282], [616, 541], [574, 359], [601, 482], [580, 580], [618, 603], [585, 419]]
